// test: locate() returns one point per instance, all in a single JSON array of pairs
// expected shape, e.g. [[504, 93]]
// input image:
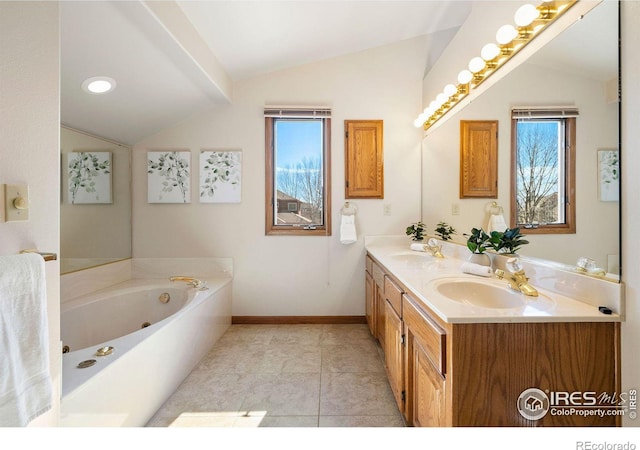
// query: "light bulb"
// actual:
[[506, 34], [433, 105], [476, 64], [526, 14], [418, 123], [464, 77], [489, 51], [449, 90], [441, 98]]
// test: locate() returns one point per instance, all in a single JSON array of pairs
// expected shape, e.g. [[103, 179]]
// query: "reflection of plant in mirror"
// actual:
[[508, 241], [82, 171], [175, 171], [445, 231], [221, 167], [479, 241], [416, 230]]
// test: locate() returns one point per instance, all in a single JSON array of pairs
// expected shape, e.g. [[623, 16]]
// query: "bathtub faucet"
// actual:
[[198, 284]]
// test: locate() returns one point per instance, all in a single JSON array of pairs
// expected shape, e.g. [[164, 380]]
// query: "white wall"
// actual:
[[29, 139], [630, 26], [597, 127], [290, 275]]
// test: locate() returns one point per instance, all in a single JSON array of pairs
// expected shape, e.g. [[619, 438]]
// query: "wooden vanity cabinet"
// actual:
[[394, 342], [374, 303], [471, 374]]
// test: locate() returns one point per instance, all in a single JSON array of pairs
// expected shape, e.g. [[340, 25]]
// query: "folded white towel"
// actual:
[[417, 247], [25, 382], [476, 269], [496, 223], [348, 233]]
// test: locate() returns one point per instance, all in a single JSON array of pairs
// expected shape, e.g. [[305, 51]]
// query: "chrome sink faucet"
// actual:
[[198, 284], [516, 278], [434, 248]]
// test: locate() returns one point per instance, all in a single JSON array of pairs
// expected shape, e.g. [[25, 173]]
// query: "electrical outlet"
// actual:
[[455, 209], [387, 209], [16, 202]]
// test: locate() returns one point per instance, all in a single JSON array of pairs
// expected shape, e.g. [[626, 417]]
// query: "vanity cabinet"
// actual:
[[473, 374], [394, 342], [374, 293]]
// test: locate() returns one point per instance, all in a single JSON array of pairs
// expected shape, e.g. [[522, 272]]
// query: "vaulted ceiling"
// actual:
[[175, 58]]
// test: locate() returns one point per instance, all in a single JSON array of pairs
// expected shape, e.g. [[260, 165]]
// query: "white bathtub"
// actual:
[[128, 386]]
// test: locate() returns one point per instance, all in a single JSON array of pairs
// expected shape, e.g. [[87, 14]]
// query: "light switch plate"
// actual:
[[11, 192]]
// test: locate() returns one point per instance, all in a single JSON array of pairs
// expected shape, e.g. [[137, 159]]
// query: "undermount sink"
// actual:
[[484, 294]]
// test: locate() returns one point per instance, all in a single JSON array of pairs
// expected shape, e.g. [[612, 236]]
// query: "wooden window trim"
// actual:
[[570, 182], [270, 198]]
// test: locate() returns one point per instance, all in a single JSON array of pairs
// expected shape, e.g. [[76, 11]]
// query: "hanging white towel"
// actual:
[[496, 223], [348, 233], [25, 382]]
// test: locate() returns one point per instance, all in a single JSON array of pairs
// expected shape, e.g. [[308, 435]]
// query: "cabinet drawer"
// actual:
[[378, 275], [369, 265], [393, 294], [432, 337]]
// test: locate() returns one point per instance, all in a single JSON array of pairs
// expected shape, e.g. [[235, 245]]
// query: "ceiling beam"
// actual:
[[171, 17]]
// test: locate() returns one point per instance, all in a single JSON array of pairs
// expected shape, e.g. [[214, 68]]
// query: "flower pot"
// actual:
[[480, 258]]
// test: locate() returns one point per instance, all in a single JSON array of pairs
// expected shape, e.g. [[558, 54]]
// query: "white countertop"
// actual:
[[417, 271]]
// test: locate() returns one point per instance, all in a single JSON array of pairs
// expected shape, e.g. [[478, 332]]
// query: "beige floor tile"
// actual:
[[289, 421], [291, 358], [285, 376], [284, 394], [361, 421], [361, 356], [337, 334], [356, 394]]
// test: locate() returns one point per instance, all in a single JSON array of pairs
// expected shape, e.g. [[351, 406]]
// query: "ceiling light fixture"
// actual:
[[99, 85], [530, 20]]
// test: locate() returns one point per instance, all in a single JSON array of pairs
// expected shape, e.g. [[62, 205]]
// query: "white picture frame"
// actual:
[[169, 176], [220, 176], [89, 177], [608, 175]]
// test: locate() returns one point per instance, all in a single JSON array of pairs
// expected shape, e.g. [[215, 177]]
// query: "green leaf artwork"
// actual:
[[89, 177], [220, 176], [168, 177]]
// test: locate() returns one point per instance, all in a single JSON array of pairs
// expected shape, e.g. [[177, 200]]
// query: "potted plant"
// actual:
[[445, 231], [416, 231], [478, 242], [510, 241]]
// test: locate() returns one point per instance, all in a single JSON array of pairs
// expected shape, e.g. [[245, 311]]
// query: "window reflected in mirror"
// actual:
[[543, 173]]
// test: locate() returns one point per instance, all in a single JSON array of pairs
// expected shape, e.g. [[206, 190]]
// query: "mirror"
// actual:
[[93, 233], [578, 68]]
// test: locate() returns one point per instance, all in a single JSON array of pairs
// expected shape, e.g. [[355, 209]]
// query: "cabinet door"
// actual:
[[478, 159], [393, 346], [363, 159], [428, 390], [370, 303]]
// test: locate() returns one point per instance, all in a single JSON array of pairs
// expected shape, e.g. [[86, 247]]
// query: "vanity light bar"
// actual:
[[530, 22]]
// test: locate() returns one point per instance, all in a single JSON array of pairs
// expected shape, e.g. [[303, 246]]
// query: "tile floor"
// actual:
[[286, 376]]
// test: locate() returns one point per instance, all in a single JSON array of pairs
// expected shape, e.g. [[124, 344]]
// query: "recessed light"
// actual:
[[99, 85]]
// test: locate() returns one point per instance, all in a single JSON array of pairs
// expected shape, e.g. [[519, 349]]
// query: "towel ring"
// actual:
[[495, 208], [348, 209]]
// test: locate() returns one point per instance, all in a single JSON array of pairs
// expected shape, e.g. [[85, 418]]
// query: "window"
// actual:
[[298, 148], [543, 171]]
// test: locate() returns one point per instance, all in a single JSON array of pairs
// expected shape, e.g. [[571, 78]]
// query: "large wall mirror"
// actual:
[[95, 214], [578, 68]]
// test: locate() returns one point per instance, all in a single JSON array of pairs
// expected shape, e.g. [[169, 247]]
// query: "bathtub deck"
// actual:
[[286, 376]]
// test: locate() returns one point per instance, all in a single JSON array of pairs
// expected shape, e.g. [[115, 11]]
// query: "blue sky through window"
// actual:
[[297, 139]]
